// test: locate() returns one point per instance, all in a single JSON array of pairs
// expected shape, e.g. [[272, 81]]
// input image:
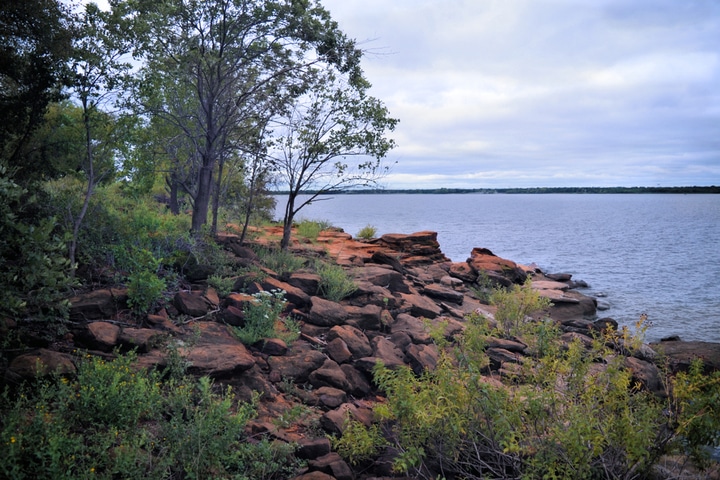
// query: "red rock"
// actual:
[[332, 464], [101, 336], [307, 282], [412, 326], [216, 352], [97, 304], [483, 260], [325, 313], [421, 306], [143, 339], [313, 448], [422, 357], [294, 295], [359, 385], [191, 303], [329, 375], [298, 363], [463, 271], [681, 354], [387, 352], [338, 350], [440, 292], [367, 317], [38, 364], [382, 277], [356, 341], [331, 397]]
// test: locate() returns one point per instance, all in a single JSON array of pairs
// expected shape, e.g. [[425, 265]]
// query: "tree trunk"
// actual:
[[288, 221], [88, 192], [202, 200], [172, 184], [216, 197]]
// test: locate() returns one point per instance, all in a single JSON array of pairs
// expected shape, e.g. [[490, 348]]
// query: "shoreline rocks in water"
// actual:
[[403, 280]]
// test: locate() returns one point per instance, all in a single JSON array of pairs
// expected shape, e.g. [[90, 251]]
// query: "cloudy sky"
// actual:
[[525, 93]]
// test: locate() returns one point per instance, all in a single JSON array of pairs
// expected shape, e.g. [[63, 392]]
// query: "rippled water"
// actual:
[[648, 253]]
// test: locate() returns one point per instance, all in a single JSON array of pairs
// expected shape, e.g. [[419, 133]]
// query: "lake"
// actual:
[[640, 253]]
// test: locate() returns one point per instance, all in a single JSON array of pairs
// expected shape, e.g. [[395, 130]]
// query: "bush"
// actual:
[[282, 262], [570, 411], [335, 283], [34, 270], [515, 305], [368, 232], [261, 316], [357, 443], [117, 421], [311, 229]]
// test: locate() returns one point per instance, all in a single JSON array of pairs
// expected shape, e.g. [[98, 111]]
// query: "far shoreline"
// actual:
[[532, 190]]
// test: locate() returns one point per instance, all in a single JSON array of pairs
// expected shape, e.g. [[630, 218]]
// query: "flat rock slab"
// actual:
[[549, 285], [217, 352]]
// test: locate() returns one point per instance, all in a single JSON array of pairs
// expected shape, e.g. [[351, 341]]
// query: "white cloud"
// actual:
[[546, 91]]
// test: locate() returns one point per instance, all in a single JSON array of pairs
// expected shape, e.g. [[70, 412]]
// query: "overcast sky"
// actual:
[[531, 93]]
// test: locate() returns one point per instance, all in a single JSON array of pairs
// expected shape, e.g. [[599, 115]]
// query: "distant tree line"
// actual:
[[693, 189]]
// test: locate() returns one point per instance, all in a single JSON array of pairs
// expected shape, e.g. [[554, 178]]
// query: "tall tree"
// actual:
[[215, 62], [98, 66], [332, 138], [35, 45]]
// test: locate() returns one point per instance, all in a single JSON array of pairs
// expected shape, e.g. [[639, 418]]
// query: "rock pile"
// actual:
[[403, 282]]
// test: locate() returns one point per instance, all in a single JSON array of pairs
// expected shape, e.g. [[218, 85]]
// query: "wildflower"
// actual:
[[12, 439]]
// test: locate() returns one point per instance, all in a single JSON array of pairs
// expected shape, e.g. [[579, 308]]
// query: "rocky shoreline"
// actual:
[[403, 281]]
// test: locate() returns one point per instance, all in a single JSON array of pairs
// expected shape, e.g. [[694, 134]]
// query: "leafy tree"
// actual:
[[98, 67], [35, 44], [333, 137], [212, 66]]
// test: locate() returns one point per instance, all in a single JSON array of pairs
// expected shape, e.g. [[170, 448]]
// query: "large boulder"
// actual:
[[301, 360], [325, 313], [503, 271], [681, 354], [356, 341], [98, 304], [216, 352], [382, 277], [39, 364]]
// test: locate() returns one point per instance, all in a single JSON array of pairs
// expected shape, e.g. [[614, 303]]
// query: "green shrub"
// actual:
[[311, 229], [571, 411], [222, 285], [358, 443], [115, 420], [282, 262], [515, 305], [368, 232], [335, 283], [261, 316], [34, 270]]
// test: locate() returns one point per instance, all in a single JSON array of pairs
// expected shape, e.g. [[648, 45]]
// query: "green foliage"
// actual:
[[115, 420], [571, 411], [290, 330], [145, 289], [515, 305], [222, 285], [696, 409], [34, 271], [311, 229], [261, 317], [282, 262], [368, 232], [335, 283], [483, 287], [358, 443]]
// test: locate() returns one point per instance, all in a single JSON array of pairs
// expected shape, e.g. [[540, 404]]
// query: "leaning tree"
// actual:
[[332, 138]]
